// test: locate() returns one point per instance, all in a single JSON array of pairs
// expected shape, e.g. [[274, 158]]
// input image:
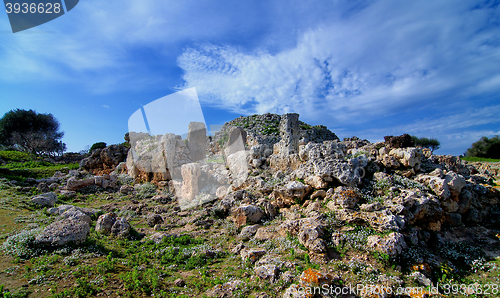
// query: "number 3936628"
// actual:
[[33, 7]]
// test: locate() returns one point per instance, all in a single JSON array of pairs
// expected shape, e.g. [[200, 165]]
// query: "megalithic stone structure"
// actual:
[[197, 141], [190, 175], [290, 134]]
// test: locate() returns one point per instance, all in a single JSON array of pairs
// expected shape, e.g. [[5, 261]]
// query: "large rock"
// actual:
[[104, 161], [291, 193], [280, 162], [45, 200], [76, 214], [157, 158], [197, 141], [316, 182], [455, 183], [436, 184], [344, 197], [381, 221], [121, 228], [190, 175], [238, 165], [267, 272], [75, 184], [248, 232], [308, 230], [266, 233], [236, 142], [408, 157], [105, 223], [247, 214], [389, 161], [392, 244], [290, 134], [63, 232], [348, 173]]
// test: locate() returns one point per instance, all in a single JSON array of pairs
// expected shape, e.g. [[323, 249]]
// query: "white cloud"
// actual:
[[385, 59], [105, 106]]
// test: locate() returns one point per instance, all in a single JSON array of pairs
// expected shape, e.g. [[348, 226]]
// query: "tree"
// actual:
[[98, 145], [485, 147], [431, 143], [31, 132]]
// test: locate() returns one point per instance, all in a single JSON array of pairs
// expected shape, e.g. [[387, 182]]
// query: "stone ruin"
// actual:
[[184, 163]]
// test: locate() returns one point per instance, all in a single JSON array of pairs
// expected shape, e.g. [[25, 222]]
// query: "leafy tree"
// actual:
[[29, 131], [485, 147], [431, 143], [98, 145]]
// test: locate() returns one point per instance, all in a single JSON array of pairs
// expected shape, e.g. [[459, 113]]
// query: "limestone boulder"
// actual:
[[455, 182], [316, 182], [267, 272], [438, 185], [248, 232], [345, 197], [292, 192], [247, 214], [121, 228], [392, 244], [408, 157], [75, 214], [238, 165], [105, 223], [64, 232], [45, 200], [381, 221], [76, 184]]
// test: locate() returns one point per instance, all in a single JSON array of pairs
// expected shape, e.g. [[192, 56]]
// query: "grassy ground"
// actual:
[[21, 165], [473, 159]]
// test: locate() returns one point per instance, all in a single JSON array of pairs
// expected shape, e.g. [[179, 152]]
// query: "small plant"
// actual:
[[21, 244], [146, 190]]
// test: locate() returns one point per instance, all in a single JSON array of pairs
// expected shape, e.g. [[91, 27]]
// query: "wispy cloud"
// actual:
[[105, 106], [390, 60], [386, 58]]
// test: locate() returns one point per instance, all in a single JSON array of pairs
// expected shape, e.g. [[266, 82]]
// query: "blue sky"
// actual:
[[363, 68]]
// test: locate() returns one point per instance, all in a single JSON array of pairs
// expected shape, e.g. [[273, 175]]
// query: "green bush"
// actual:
[[98, 145], [146, 190], [485, 147], [14, 155], [431, 143], [21, 245]]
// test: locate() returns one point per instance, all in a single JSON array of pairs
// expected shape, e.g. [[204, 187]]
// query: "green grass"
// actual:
[[14, 155], [474, 158], [35, 169]]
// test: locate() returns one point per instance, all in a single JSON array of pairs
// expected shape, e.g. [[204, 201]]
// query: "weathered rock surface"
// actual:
[[105, 223], [104, 161], [63, 232], [392, 244], [45, 200], [292, 192], [247, 214]]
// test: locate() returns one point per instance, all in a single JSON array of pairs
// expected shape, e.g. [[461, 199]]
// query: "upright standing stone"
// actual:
[[197, 140], [290, 134], [190, 174], [236, 142]]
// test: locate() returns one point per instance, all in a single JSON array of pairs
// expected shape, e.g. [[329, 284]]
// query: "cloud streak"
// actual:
[[387, 61]]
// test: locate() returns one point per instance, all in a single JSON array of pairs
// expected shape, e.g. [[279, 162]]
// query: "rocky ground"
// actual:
[[313, 212]]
